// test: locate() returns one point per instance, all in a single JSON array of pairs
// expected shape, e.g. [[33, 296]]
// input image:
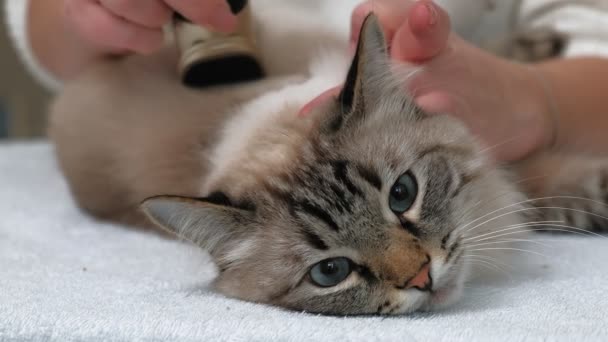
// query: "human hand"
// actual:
[[125, 26], [502, 102]]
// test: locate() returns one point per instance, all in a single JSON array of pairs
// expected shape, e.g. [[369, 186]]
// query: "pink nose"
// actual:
[[422, 281]]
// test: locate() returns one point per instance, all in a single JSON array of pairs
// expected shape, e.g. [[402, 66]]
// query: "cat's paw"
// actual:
[[579, 203]]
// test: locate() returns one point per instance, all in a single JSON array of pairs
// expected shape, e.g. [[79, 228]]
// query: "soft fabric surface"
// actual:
[[65, 277]]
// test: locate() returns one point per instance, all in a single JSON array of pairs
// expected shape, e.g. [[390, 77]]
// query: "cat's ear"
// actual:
[[208, 222], [367, 72]]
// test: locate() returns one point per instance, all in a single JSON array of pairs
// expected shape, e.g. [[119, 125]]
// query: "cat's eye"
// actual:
[[330, 272], [403, 194]]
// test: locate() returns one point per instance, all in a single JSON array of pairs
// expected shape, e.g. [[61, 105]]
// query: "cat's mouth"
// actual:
[[439, 297], [444, 294]]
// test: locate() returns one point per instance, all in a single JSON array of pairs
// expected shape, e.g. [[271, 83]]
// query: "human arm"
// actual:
[[65, 36], [517, 110], [577, 88]]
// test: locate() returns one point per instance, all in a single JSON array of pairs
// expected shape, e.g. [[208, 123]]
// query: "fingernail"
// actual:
[[179, 17], [433, 15], [236, 6]]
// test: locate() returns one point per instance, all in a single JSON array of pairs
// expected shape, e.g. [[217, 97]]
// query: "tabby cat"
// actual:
[[366, 205]]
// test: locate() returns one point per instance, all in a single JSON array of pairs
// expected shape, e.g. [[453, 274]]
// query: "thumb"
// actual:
[[423, 35]]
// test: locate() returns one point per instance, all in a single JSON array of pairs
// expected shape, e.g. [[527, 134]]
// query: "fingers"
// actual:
[[215, 13], [147, 13], [436, 102], [416, 31], [121, 26], [106, 30], [424, 35], [155, 13]]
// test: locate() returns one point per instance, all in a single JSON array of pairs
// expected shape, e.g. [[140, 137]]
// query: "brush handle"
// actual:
[[236, 6], [208, 57]]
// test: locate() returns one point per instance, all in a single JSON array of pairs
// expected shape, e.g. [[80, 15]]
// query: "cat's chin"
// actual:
[[445, 296]]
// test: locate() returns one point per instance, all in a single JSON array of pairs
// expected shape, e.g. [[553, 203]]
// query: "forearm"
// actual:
[[57, 48], [578, 88]]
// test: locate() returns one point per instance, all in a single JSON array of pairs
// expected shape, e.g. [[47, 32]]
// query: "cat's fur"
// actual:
[[270, 194]]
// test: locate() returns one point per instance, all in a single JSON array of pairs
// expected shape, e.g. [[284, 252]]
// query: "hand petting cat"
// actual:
[[504, 103]]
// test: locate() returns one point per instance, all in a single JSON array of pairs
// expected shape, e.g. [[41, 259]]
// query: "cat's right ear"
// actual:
[[207, 222], [363, 86]]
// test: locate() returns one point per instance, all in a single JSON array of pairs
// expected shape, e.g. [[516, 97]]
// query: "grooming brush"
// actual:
[[211, 58]]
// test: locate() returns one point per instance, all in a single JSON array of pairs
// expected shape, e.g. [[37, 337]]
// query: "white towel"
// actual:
[[65, 277]]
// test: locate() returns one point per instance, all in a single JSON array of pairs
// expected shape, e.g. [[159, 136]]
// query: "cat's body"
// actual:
[[365, 183], [131, 98]]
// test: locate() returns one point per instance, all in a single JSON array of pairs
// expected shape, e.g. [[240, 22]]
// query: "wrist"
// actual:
[[534, 107], [547, 108]]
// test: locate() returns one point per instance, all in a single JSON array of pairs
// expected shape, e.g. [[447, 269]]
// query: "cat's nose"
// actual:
[[422, 281]]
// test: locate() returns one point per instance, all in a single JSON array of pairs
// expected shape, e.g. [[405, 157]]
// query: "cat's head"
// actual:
[[369, 214]]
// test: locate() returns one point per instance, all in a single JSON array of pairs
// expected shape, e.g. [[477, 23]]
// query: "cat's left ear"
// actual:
[[212, 223], [368, 72]]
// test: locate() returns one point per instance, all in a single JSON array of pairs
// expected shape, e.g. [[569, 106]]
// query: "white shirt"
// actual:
[[585, 22], [15, 12]]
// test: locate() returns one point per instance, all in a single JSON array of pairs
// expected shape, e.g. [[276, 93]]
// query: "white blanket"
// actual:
[[65, 277]]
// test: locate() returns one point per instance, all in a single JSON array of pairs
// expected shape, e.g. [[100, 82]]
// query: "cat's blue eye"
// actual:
[[403, 194], [330, 272]]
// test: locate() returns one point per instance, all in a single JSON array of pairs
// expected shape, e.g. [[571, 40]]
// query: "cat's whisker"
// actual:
[[500, 144], [583, 233], [518, 228], [521, 181], [476, 206], [496, 218], [428, 85], [491, 259], [486, 260], [490, 201], [531, 178], [471, 260], [475, 261], [537, 208], [480, 262], [404, 73], [531, 200], [549, 228], [503, 232], [448, 67], [466, 225], [514, 226], [505, 241], [570, 230], [509, 228], [509, 249]]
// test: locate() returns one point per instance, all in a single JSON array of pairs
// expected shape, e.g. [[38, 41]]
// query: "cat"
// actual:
[[367, 205]]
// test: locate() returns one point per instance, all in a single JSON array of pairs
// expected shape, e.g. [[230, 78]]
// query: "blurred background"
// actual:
[[22, 101]]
